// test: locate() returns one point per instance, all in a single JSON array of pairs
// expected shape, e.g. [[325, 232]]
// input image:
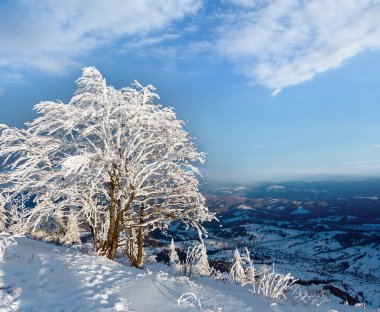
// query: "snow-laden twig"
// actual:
[[163, 275], [186, 280], [189, 298], [316, 298]]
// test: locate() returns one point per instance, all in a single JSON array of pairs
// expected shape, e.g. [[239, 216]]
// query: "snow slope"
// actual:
[[37, 276]]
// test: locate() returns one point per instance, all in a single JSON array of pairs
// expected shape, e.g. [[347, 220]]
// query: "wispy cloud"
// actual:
[[281, 43], [276, 43], [359, 168], [51, 35]]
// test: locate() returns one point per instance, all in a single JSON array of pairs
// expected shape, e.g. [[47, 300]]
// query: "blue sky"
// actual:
[[278, 89]]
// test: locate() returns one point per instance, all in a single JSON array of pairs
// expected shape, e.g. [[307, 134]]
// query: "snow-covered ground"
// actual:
[[37, 276]]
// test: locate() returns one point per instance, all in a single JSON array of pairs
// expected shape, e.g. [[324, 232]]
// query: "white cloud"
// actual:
[[51, 35], [149, 41], [246, 3], [287, 42], [360, 168]]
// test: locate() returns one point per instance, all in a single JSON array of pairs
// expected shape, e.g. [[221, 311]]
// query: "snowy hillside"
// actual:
[[37, 276]]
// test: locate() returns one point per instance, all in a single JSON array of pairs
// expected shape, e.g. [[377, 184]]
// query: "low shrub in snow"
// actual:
[[310, 297], [266, 282], [197, 260], [6, 240]]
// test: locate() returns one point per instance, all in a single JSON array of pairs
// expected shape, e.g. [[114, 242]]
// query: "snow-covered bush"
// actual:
[[6, 240], [72, 229], [48, 229], [311, 296], [266, 282], [17, 208], [219, 276], [249, 272], [272, 284]]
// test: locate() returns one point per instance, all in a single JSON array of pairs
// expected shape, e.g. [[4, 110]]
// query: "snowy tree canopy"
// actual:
[[122, 162]]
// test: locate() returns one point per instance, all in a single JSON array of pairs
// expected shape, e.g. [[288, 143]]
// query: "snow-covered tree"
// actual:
[[72, 229], [202, 267], [173, 257], [250, 278], [237, 271], [122, 162], [197, 260], [3, 216]]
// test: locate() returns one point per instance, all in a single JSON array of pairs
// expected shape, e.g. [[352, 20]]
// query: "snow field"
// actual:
[[37, 276]]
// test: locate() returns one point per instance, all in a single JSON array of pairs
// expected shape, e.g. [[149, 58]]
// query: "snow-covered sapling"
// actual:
[[202, 267], [197, 260], [173, 257], [249, 271], [237, 271]]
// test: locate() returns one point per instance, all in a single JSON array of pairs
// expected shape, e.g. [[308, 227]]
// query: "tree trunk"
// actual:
[[132, 258], [140, 239], [109, 246], [115, 238]]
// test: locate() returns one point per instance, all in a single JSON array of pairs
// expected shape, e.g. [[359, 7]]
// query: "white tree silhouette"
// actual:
[[122, 162]]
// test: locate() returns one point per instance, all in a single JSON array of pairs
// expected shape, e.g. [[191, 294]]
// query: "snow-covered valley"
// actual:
[[334, 248]]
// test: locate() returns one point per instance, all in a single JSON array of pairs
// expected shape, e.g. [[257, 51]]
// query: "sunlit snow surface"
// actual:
[[37, 276]]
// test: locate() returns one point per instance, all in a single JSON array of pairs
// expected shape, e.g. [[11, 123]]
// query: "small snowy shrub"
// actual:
[[6, 240], [311, 297], [48, 229], [266, 282], [72, 230], [274, 285], [219, 276]]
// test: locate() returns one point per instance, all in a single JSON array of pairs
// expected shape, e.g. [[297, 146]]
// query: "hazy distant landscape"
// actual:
[[326, 233]]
